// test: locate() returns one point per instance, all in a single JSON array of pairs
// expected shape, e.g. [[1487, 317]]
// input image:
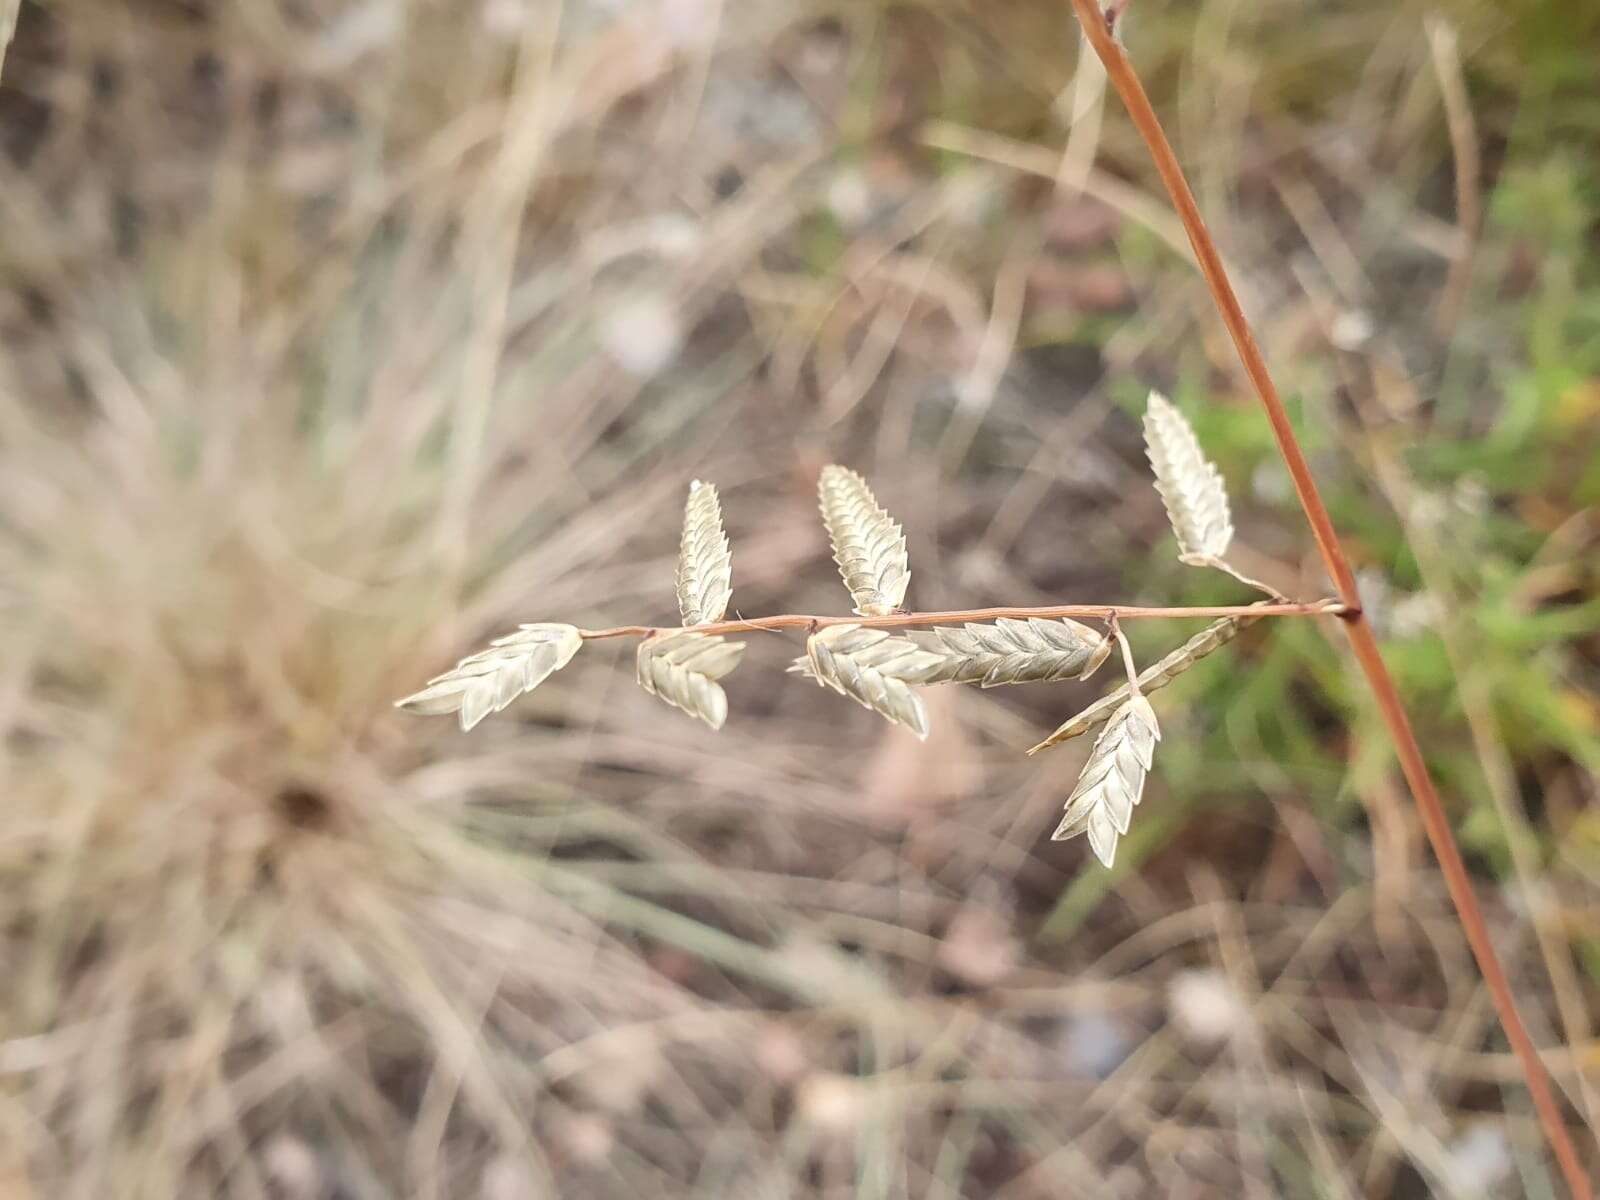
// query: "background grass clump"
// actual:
[[335, 339]]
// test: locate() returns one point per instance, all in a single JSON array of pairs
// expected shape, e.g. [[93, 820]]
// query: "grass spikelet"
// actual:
[[705, 565], [1213, 637], [487, 681], [1112, 781], [1013, 651], [868, 545], [1189, 483], [876, 670], [682, 669]]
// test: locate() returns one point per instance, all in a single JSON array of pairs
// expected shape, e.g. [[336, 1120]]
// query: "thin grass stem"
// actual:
[[1103, 612]]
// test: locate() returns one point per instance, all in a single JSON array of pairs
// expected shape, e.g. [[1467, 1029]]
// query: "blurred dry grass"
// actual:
[[337, 341]]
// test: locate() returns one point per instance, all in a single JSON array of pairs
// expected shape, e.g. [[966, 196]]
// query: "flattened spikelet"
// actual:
[[875, 669], [1112, 781], [705, 567], [1190, 485], [1214, 636], [487, 681], [682, 669], [1012, 651], [867, 544]]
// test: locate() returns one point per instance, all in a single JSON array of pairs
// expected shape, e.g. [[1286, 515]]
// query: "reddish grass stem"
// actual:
[[1104, 612], [1362, 641]]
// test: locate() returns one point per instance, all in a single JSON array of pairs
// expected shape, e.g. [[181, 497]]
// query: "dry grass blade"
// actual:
[[1012, 651], [682, 669], [874, 668], [487, 681], [8, 25], [868, 545], [705, 567], [1212, 637], [1113, 779], [1190, 485]]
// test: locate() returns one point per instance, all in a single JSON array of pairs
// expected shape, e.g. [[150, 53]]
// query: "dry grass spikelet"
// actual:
[[1190, 484], [682, 669], [1112, 781], [487, 681], [705, 565], [868, 545], [875, 669], [1213, 637], [1013, 651]]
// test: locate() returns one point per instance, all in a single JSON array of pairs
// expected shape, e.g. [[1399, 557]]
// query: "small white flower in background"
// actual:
[[1205, 1008], [508, 1177], [849, 198], [673, 235], [587, 1137], [1350, 330], [642, 334], [831, 1103], [1480, 1158], [291, 1164]]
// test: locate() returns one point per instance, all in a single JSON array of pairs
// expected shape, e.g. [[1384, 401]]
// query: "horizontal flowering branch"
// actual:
[[859, 657], [902, 620]]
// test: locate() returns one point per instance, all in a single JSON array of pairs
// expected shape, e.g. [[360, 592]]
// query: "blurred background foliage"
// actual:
[[340, 337]]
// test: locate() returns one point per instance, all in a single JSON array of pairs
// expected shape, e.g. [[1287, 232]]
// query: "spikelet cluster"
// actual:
[[875, 669], [1102, 803], [683, 669], [1013, 651], [884, 671], [487, 681]]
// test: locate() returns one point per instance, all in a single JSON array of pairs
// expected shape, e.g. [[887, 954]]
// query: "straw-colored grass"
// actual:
[[336, 345]]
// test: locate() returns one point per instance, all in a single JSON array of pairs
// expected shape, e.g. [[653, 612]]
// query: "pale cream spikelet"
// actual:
[[683, 669], [868, 545], [1102, 803], [875, 669], [1191, 487], [1012, 651], [487, 681], [705, 566]]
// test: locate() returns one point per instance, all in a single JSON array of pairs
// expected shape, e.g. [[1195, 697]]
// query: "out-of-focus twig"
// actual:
[[1443, 45], [8, 26]]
